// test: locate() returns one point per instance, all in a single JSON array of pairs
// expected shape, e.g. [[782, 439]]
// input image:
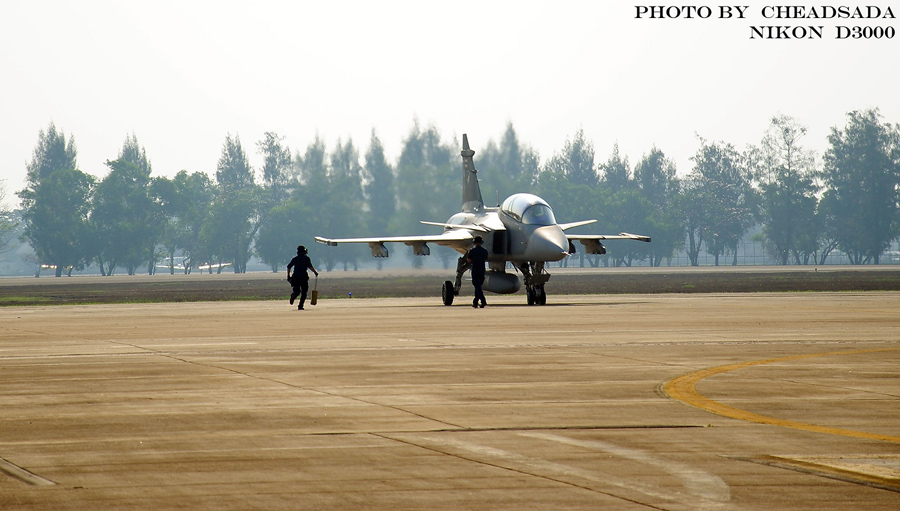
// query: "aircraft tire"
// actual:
[[540, 298], [529, 294], [447, 292]]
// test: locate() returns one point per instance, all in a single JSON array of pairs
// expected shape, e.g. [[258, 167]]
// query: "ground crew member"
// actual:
[[478, 257], [300, 279]]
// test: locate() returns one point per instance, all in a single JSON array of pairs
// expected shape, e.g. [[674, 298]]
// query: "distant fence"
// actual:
[[754, 254], [748, 254]]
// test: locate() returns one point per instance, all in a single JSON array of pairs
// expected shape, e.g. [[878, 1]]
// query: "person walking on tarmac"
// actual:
[[300, 279], [478, 255]]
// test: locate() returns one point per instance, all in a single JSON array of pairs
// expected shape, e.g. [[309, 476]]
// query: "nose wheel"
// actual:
[[535, 278], [536, 295]]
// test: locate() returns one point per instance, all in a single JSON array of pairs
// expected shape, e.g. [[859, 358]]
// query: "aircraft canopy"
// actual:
[[528, 209]]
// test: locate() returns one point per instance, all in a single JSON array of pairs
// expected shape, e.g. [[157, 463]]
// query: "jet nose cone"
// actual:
[[548, 243]]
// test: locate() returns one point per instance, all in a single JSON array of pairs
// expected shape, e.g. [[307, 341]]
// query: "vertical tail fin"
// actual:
[[471, 196]]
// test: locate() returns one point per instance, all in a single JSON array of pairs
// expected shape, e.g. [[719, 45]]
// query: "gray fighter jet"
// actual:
[[522, 232]]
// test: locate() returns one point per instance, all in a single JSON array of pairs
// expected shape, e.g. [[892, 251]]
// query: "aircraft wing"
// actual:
[[457, 239], [592, 243], [599, 237]]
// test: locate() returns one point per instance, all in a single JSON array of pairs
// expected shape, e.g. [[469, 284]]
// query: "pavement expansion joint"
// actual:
[[23, 475], [579, 428], [874, 470]]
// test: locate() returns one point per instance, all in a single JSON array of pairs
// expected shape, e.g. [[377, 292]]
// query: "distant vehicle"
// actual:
[[181, 262], [522, 231], [66, 270], [53, 267]]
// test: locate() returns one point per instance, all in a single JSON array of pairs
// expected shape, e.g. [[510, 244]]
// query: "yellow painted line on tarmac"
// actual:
[[683, 389]]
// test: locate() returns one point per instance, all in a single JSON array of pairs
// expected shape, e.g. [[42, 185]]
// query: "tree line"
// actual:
[[804, 205]]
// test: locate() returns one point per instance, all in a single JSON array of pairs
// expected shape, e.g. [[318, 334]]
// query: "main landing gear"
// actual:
[[451, 289], [447, 292]]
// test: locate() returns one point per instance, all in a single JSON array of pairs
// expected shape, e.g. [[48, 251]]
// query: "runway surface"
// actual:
[[625, 402]]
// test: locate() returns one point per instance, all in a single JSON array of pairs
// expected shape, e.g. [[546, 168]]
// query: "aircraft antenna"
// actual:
[[498, 198]]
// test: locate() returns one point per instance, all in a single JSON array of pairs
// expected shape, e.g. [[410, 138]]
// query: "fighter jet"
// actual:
[[521, 232]]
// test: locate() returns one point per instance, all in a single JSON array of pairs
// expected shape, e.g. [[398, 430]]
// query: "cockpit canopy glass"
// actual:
[[528, 209]]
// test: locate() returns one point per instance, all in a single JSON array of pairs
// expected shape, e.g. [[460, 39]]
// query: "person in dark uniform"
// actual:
[[299, 279], [478, 257]]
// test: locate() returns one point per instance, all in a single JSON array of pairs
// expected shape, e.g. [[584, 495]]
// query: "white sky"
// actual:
[[181, 75]]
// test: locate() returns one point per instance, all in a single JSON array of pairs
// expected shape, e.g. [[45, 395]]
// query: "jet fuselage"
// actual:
[[522, 229]]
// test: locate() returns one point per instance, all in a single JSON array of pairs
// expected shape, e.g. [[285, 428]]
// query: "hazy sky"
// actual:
[[181, 75]]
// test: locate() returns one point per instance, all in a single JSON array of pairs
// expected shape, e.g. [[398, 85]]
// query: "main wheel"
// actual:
[[529, 295], [447, 292]]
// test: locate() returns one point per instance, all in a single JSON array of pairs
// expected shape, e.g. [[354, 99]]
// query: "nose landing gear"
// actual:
[[535, 277], [536, 295]]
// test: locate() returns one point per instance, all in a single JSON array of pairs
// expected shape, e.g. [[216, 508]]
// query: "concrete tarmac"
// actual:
[[625, 402]]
